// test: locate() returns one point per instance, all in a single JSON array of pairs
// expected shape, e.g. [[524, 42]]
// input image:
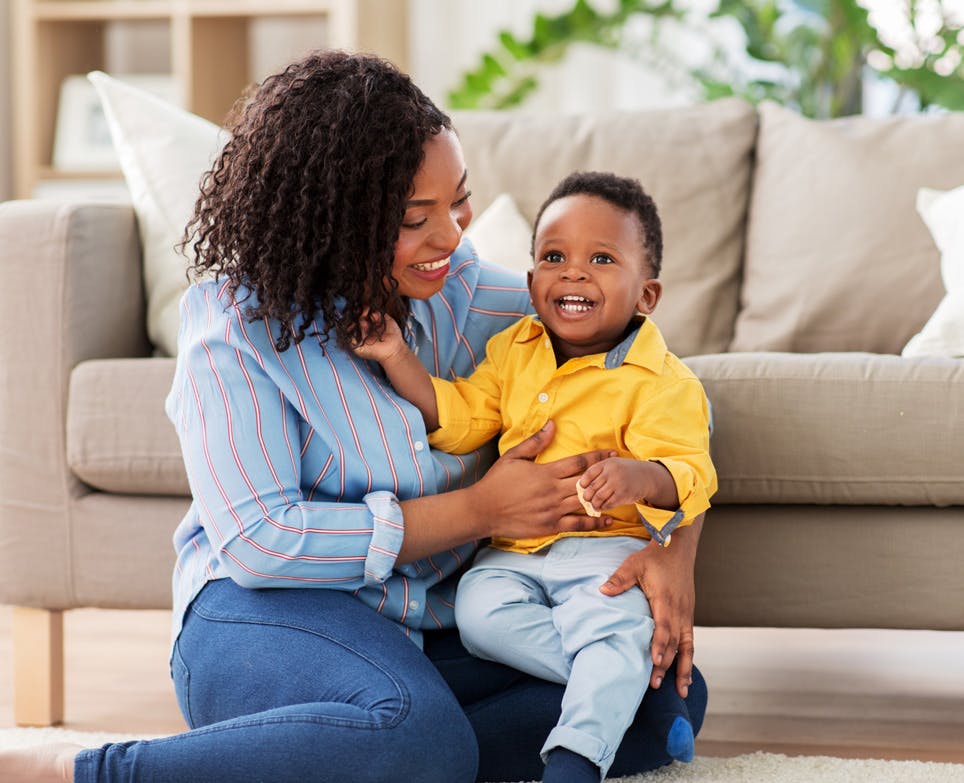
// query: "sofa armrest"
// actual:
[[70, 290]]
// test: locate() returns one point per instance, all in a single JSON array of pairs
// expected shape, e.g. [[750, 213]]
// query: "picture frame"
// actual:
[[82, 141]]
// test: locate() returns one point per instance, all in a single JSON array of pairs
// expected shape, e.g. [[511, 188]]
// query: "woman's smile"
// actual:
[[433, 270]]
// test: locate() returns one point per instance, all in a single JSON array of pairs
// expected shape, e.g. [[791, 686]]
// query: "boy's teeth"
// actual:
[[575, 303], [432, 266]]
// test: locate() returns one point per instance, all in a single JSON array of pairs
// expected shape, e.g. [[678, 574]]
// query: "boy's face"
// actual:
[[591, 274]]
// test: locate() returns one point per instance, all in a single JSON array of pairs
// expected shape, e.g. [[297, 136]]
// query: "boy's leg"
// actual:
[[503, 614], [512, 714], [607, 639]]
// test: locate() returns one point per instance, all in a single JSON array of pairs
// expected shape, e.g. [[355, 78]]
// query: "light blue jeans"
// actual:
[[542, 613]]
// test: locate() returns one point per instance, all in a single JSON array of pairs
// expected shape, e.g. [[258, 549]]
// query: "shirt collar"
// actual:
[[644, 346]]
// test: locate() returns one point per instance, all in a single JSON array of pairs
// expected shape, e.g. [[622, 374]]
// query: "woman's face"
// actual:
[[436, 213]]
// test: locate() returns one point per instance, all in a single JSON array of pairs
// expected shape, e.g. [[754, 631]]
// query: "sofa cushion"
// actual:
[[836, 428], [837, 258], [118, 437], [694, 161], [502, 235]]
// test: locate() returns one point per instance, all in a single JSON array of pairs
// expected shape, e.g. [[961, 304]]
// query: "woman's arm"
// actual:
[[516, 498], [666, 577]]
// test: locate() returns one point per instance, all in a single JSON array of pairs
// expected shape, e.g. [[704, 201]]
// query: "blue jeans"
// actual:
[[312, 685]]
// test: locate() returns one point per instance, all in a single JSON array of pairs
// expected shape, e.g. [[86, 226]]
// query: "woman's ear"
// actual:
[[649, 296]]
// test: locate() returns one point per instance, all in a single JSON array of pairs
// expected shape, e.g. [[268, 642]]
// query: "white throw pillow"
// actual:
[[163, 151], [502, 235], [943, 334]]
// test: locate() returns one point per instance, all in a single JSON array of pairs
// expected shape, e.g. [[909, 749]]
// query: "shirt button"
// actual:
[[543, 397], [419, 445], [548, 343], [413, 605]]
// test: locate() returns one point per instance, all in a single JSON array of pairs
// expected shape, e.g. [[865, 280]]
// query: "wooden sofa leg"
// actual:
[[38, 664]]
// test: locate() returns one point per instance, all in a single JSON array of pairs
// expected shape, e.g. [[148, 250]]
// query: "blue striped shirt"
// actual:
[[297, 461]]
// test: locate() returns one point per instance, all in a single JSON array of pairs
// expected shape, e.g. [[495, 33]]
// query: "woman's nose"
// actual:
[[450, 233]]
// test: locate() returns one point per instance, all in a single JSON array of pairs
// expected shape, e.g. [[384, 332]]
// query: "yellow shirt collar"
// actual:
[[644, 346]]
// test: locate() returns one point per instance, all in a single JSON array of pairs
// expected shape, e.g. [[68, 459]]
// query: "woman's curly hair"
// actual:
[[304, 205]]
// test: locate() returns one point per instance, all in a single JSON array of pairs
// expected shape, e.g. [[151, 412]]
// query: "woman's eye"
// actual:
[[463, 200], [553, 257], [415, 224], [602, 258]]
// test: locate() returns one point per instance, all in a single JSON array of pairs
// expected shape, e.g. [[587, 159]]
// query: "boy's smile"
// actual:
[[591, 274]]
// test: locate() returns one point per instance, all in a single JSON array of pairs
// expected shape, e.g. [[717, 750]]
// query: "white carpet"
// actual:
[[750, 768]]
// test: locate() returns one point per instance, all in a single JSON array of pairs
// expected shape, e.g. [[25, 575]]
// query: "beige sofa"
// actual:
[[796, 269]]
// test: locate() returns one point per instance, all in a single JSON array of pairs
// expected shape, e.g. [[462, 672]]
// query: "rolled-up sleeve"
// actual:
[[387, 532]]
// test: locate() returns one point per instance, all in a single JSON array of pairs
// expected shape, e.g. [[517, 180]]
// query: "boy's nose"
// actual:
[[573, 272]]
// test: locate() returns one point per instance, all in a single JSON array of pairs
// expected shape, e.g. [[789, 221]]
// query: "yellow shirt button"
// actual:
[[543, 397]]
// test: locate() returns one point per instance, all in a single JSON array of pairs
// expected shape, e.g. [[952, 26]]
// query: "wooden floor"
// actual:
[[868, 694]]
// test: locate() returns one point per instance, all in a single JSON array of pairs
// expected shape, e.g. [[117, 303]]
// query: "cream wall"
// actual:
[[5, 113]]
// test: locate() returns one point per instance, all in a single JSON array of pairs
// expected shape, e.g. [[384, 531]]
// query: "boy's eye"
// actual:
[[602, 258], [553, 257]]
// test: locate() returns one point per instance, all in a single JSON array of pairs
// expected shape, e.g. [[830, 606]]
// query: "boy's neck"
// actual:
[[564, 352]]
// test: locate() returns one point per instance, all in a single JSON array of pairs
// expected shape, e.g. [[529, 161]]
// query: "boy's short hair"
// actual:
[[622, 192]]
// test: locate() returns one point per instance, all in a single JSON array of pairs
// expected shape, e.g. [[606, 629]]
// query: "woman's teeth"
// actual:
[[432, 266], [576, 304]]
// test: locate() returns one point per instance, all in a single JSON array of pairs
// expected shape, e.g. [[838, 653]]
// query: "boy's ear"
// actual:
[[649, 296], [529, 280]]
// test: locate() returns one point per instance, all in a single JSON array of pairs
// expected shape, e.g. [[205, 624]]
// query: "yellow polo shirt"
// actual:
[[638, 400]]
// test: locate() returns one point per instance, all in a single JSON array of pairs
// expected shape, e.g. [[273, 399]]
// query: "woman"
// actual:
[[317, 564]]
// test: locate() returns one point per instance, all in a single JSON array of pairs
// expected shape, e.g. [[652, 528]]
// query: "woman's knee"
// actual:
[[441, 744], [696, 700]]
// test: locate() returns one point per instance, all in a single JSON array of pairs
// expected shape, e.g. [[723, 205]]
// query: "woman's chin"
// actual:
[[418, 286]]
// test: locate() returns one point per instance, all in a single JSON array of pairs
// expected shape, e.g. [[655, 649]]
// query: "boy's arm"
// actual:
[[672, 476], [405, 372], [676, 436], [413, 382]]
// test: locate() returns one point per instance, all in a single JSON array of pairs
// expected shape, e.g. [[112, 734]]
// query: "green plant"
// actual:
[[814, 54], [508, 73]]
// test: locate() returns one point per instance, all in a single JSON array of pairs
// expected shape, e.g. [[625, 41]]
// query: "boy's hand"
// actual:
[[613, 482], [381, 349]]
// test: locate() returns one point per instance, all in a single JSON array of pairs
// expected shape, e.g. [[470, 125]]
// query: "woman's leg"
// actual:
[[512, 714], [298, 685]]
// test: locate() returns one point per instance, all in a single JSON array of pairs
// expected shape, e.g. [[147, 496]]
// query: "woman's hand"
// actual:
[[516, 498], [665, 575], [520, 499]]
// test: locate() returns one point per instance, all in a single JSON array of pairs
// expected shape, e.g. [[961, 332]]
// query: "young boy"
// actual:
[[592, 361]]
